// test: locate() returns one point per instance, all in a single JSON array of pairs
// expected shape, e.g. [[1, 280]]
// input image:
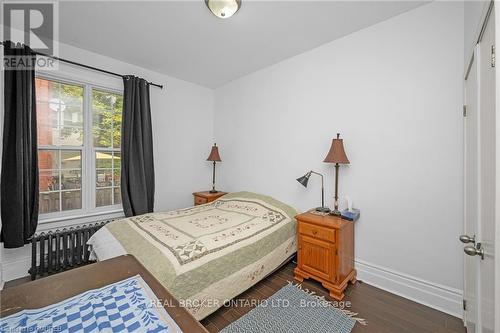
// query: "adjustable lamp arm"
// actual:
[[322, 188]]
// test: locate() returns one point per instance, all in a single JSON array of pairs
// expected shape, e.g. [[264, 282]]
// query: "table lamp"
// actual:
[[305, 179], [336, 155], [214, 157]]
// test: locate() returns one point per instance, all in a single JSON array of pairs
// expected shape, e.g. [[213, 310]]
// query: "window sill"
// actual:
[[72, 220]]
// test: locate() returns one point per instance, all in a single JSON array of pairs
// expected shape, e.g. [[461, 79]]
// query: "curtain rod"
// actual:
[[87, 66]]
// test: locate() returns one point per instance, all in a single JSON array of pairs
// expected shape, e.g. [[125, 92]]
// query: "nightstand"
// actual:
[[325, 252], [201, 198]]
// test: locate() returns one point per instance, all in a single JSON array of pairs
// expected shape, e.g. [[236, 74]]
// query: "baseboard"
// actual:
[[1, 277], [439, 297], [15, 269]]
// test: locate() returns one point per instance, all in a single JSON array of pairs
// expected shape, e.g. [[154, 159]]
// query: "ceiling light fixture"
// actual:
[[223, 8]]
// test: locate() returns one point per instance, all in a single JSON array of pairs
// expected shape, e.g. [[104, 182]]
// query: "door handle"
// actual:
[[467, 239], [474, 251]]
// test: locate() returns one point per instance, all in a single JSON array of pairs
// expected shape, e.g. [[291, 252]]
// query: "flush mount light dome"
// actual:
[[223, 8]]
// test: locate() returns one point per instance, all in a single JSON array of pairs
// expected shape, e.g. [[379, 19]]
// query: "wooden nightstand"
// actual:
[[201, 198], [325, 252]]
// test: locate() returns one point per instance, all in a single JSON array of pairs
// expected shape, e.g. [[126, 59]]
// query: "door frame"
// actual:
[[497, 181]]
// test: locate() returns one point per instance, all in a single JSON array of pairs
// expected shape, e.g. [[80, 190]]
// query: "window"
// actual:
[[79, 129], [107, 120], [60, 141]]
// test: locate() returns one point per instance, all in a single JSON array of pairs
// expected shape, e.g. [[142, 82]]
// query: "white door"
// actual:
[[480, 186], [471, 193]]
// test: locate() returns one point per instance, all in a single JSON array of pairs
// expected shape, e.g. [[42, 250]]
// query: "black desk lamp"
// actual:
[[305, 179]]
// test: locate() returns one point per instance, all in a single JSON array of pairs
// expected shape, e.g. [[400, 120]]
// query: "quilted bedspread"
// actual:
[[124, 306], [208, 254]]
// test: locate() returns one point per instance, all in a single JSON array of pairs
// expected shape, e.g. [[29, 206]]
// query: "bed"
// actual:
[[25, 301], [207, 254]]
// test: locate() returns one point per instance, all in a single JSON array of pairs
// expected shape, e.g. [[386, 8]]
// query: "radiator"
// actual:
[[56, 251]]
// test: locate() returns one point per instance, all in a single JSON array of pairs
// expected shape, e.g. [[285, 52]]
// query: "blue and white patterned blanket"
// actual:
[[125, 306]]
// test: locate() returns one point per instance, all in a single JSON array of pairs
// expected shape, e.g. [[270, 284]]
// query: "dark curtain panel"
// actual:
[[138, 176], [19, 179]]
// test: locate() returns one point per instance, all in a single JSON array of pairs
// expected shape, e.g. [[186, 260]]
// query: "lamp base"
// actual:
[[213, 191], [335, 213], [323, 209]]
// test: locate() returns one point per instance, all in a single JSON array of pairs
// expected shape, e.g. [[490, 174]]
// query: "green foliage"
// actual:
[[71, 94], [107, 109]]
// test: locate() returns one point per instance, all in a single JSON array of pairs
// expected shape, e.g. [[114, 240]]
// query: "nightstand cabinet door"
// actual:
[[315, 257]]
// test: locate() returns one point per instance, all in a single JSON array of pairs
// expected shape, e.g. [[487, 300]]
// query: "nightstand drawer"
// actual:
[[317, 232], [200, 200], [204, 197]]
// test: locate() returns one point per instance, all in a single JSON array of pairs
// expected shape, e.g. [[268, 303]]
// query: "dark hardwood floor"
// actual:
[[383, 311]]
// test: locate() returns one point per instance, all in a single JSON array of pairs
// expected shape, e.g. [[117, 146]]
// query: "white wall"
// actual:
[[394, 92], [182, 117]]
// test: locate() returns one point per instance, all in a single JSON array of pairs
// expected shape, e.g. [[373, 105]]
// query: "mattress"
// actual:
[[208, 254]]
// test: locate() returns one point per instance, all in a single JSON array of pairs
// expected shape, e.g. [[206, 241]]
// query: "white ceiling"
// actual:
[[183, 39]]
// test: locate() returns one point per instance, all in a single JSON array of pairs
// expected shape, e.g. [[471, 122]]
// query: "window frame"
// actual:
[[88, 161]]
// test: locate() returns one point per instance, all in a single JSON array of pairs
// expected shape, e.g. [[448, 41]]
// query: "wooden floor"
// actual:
[[384, 312]]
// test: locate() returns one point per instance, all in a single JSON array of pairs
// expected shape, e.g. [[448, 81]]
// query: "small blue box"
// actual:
[[350, 216]]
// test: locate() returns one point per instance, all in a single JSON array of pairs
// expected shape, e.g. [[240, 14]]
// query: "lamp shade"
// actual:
[[214, 154], [304, 179], [337, 152]]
